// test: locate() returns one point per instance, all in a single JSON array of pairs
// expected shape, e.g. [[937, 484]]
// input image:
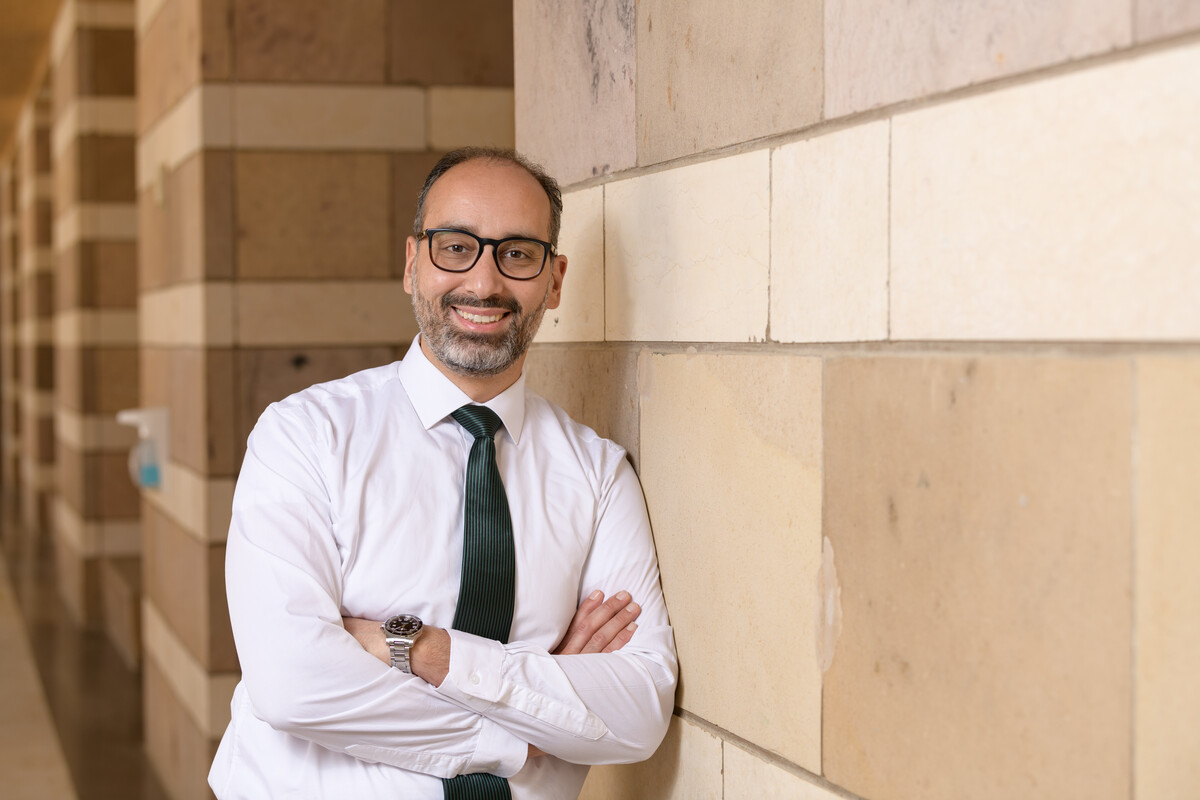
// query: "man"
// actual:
[[349, 510]]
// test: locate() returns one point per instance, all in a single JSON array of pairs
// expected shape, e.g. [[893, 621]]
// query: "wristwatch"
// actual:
[[400, 632]]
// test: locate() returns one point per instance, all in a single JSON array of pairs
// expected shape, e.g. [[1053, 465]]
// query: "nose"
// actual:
[[484, 279]]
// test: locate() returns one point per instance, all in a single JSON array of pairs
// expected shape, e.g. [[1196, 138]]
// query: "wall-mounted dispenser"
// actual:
[[150, 453]]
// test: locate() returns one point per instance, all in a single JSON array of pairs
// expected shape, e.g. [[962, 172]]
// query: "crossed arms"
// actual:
[[603, 695]]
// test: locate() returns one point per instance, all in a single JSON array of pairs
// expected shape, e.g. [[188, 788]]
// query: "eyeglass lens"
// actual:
[[458, 251]]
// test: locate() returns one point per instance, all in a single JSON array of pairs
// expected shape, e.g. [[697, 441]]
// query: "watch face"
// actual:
[[405, 625]]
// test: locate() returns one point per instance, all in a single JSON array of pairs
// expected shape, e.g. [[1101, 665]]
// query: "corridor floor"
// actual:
[[71, 724]]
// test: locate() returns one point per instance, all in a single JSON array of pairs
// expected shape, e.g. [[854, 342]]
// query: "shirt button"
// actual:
[[474, 678]]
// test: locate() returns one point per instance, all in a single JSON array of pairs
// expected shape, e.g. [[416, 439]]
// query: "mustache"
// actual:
[[471, 301]]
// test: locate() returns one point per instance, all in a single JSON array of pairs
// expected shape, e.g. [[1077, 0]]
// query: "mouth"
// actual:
[[480, 319]]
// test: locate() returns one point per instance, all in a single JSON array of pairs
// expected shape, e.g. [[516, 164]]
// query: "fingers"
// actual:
[[601, 626]]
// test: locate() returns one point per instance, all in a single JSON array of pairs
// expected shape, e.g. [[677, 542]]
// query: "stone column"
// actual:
[[9, 373], [280, 150], [96, 530], [35, 290]]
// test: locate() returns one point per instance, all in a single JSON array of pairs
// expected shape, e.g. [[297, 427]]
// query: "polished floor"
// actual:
[[71, 724]]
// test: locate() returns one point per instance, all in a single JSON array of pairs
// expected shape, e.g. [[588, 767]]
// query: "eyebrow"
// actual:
[[472, 229]]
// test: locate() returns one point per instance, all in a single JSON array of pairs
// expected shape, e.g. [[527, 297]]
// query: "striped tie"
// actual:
[[485, 598]]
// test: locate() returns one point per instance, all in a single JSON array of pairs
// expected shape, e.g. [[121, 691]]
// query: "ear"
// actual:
[[558, 269], [411, 245]]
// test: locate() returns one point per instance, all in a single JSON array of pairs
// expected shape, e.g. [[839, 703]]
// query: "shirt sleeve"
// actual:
[[303, 673], [602, 708]]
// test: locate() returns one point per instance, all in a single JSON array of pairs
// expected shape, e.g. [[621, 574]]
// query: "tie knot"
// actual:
[[480, 421]]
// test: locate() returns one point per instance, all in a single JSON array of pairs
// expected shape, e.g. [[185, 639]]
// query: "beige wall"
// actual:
[[895, 306]]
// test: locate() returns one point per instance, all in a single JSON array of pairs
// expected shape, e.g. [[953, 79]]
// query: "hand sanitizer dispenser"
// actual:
[[150, 452]]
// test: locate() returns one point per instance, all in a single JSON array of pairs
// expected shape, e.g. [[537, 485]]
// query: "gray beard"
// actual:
[[471, 354]]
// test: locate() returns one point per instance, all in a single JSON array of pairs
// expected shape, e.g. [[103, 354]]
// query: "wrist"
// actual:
[[430, 656]]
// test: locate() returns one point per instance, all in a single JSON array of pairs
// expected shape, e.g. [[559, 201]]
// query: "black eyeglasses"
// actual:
[[452, 250]]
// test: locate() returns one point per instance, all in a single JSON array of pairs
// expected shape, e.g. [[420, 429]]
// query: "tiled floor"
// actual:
[[78, 706]]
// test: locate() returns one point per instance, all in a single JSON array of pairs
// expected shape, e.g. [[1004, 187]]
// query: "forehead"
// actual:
[[490, 198]]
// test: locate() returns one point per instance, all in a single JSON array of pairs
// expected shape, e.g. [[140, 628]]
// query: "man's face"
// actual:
[[480, 323]]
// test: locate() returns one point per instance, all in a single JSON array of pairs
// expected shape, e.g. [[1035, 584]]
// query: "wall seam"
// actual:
[[888, 281]]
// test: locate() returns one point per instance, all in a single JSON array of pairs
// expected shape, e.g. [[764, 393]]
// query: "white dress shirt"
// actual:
[[350, 503]]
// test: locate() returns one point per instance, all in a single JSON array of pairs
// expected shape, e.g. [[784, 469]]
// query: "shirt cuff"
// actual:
[[474, 676], [498, 752]]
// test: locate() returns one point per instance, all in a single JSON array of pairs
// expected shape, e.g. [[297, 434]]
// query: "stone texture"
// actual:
[[178, 749], [574, 86], [308, 215], [265, 375], [310, 41], [96, 484], [1167, 594], [687, 766], [595, 384], [184, 579], [464, 116], [120, 590], [202, 410], [708, 77], [319, 313], [96, 275], [748, 777], [188, 41], [829, 237], [877, 55], [731, 467], [106, 62], [580, 315], [78, 578], [979, 514], [408, 176], [106, 169], [333, 118], [687, 252], [1160, 18], [1037, 212], [467, 43], [189, 236]]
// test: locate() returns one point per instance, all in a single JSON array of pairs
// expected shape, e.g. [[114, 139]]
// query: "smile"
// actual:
[[479, 319]]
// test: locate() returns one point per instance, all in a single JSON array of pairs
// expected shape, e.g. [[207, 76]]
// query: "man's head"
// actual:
[[500, 155], [477, 319]]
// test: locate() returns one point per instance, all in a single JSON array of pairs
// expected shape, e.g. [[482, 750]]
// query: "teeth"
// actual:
[[476, 318]]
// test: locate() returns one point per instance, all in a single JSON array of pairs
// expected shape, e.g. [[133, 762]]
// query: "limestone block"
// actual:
[[829, 237], [580, 315], [710, 75], [1167, 594], [979, 512], [1061, 209], [686, 253], [731, 466], [687, 766], [876, 55], [574, 83]]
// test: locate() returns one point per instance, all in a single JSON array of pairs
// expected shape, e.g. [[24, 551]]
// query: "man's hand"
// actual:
[[599, 625]]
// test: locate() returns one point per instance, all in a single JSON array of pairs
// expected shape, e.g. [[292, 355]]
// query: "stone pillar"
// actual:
[[35, 291], [280, 150], [9, 373], [96, 531]]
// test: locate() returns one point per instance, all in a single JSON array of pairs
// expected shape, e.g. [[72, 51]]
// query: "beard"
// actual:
[[468, 353]]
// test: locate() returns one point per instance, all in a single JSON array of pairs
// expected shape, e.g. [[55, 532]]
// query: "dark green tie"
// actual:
[[485, 598]]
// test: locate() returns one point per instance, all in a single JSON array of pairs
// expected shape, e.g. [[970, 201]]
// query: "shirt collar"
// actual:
[[435, 397]]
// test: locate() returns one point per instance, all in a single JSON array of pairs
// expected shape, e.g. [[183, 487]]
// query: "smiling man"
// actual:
[[433, 573]]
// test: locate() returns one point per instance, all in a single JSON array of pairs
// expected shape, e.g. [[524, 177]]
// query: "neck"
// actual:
[[480, 388]]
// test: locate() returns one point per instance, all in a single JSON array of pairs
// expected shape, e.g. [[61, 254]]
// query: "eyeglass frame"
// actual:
[[547, 251]]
